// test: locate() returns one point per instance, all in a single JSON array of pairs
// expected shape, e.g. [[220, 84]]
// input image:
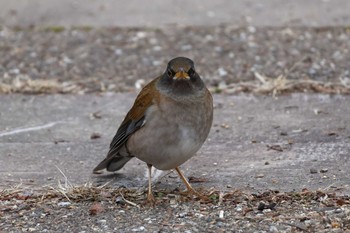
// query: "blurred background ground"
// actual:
[[158, 13], [271, 164], [93, 46]]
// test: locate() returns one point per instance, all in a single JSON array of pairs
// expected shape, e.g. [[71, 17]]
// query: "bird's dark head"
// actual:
[[180, 77]]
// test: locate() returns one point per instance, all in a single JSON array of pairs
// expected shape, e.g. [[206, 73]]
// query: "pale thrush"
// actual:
[[168, 123]]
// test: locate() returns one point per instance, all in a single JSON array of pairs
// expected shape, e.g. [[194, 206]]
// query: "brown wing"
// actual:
[[133, 121]]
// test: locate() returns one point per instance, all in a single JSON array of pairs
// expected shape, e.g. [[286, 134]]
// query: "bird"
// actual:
[[167, 124]]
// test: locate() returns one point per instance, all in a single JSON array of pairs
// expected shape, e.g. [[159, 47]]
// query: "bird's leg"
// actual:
[[150, 197], [189, 187]]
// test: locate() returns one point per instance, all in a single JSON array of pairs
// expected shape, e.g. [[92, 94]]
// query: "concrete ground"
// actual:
[[256, 143], [160, 13]]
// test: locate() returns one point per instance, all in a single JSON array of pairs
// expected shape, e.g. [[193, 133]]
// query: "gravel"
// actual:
[[120, 59], [232, 211]]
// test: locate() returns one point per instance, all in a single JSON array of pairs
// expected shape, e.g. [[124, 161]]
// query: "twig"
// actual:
[[128, 202], [260, 77], [66, 181], [294, 66]]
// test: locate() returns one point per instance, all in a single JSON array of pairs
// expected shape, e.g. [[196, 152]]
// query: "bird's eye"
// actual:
[[191, 72], [169, 72]]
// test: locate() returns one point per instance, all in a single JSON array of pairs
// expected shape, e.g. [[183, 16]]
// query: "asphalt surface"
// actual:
[[256, 143]]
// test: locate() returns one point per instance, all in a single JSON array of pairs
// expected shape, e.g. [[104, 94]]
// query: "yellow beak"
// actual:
[[181, 75]]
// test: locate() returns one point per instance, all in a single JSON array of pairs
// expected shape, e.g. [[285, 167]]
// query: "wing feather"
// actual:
[[133, 121]]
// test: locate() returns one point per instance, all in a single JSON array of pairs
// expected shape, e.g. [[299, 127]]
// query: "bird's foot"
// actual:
[[150, 201], [192, 192]]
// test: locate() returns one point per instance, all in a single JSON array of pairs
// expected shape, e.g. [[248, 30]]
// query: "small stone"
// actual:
[[273, 229], [140, 83], [239, 208], [324, 170], [157, 48], [64, 204], [141, 34], [102, 221], [118, 52], [95, 209], [259, 176], [225, 126], [313, 170], [119, 200], [95, 136], [156, 63], [266, 163], [221, 214], [222, 72], [251, 29], [96, 115], [186, 47], [261, 206]]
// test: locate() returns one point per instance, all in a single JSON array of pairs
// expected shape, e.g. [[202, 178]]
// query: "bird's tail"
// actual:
[[113, 163]]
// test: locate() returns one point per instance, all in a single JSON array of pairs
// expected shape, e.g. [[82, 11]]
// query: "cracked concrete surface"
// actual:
[[256, 143]]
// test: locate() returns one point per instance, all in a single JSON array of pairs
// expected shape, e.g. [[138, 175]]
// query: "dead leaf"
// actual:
[[96, 208]]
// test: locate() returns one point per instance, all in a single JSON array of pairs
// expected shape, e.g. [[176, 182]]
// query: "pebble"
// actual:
[[222, 72], [182, 215], [119, 200], [140, 84], [221, 214], [273, 229], [141, 34], [313, 170], [118, 52], [64, 204], [102, 221], [186, 47], [157, 48]]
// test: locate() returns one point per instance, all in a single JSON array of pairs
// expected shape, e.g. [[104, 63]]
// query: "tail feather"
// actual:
[[113, 163]]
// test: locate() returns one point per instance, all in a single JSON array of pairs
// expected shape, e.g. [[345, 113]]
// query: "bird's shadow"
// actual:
[[116, 180]]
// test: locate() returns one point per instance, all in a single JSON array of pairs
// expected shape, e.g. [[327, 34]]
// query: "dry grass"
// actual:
[[281, 84], [261, 85], [134, 197], [23, 84]]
